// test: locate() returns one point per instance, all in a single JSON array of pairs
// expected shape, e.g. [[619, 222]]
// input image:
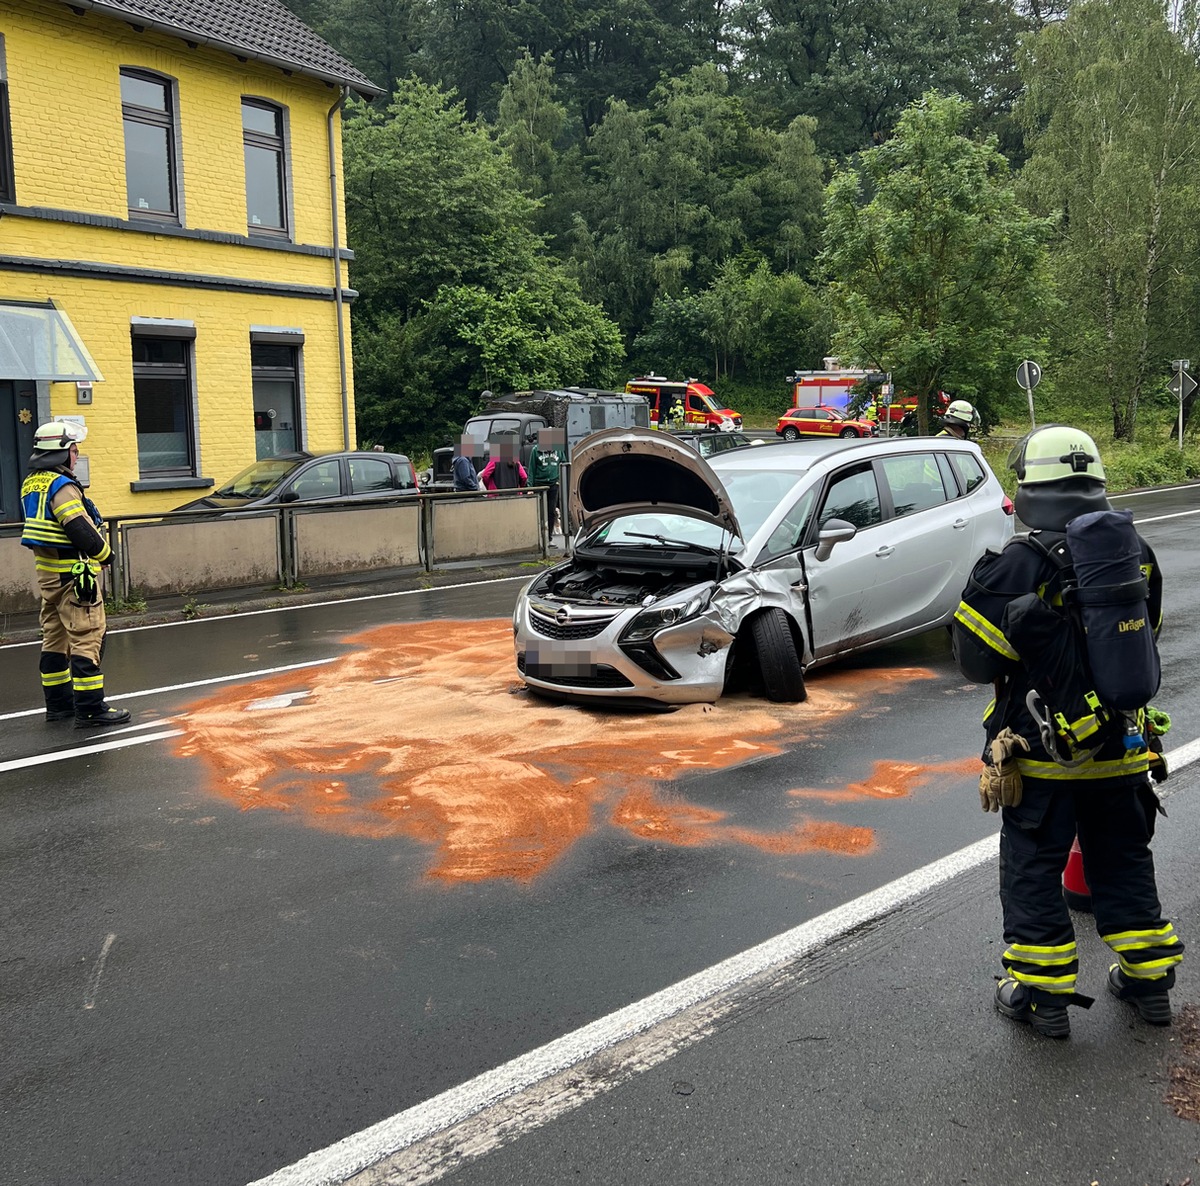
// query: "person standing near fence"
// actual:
[[545, 464], [64, 530]]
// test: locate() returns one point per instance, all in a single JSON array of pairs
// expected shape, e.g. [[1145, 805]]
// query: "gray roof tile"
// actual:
[[266, 30]]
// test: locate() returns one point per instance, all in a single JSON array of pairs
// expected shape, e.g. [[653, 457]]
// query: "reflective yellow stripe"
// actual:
[[978, 625], [1149, 969], [1126, 940], [44, 564], [51, 679], [1137, 763], [89, 683], [1025, 950], [1064, 983]]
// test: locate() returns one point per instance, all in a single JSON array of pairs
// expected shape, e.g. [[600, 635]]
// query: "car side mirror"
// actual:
[[290, 496], [836, 531]]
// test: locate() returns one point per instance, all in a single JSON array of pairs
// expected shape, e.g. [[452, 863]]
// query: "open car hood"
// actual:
[[628, 471]]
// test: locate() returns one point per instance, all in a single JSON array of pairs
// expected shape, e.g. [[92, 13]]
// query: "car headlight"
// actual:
[[650, 621]]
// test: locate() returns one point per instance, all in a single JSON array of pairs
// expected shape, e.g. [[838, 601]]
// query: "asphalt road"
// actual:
[[360, 869]]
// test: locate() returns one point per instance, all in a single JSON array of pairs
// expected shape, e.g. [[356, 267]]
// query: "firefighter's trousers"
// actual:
[[72, 644], [1114, 823]]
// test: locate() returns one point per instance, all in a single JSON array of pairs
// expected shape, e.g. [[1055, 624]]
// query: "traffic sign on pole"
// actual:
[[1181, 385], [1029, 375]]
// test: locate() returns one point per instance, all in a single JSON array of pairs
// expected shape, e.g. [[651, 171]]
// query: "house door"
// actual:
[[18, 412]]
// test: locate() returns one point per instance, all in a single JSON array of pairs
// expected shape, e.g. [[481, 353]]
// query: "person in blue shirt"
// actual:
[[463, 469]]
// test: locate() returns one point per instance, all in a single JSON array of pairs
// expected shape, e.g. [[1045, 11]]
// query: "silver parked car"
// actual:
[[789, 555]]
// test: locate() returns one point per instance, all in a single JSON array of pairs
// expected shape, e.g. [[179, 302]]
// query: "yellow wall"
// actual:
[[68, 154]]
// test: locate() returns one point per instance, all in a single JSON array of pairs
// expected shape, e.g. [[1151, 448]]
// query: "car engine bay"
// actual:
[[621, 586]]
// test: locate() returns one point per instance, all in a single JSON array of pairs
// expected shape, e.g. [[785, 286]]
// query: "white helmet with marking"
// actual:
[[1059, 475], [58, 435]]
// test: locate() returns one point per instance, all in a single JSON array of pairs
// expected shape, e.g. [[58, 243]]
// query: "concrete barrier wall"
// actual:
[[18, 589], [185, 557], [480, 526], [357, 539]]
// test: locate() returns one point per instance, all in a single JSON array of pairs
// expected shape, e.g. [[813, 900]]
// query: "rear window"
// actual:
[[968, 470]]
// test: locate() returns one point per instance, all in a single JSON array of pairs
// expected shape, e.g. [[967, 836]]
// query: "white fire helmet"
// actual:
[[58, 435]]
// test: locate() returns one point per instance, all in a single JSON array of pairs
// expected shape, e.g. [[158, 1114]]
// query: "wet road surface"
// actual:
[[233, 945]]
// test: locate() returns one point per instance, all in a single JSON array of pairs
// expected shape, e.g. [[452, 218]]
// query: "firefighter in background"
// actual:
[[958, 419], [64, 530], [1107, 799]]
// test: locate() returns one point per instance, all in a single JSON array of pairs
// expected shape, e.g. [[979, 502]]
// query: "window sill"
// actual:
[[144, 484]]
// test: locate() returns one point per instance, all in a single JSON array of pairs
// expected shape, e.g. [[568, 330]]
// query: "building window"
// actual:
[[147, 108], [162, 398], [7, 191], [275, 377], [266, 167]]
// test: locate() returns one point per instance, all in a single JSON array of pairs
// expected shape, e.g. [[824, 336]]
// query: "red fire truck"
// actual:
[[683, 403]]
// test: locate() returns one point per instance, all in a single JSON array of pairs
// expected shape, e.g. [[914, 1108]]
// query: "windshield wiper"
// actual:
[[676, 543]]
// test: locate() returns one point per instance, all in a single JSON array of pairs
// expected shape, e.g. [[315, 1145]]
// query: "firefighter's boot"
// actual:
[[91, 709], [56, 686], [1154, 1007], [1018, 1001]]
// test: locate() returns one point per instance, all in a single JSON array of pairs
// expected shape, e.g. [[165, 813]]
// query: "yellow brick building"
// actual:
[[172, 248]]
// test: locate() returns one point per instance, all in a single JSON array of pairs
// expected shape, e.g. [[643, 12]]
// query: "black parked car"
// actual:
[[305, 477]]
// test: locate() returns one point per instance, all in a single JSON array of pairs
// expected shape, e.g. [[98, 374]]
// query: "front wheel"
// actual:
[[778, 659], [848, 432], [791, 434]]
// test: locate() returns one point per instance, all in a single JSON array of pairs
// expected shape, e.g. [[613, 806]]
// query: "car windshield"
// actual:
[[710, 403], [258, 479], [753, 493]]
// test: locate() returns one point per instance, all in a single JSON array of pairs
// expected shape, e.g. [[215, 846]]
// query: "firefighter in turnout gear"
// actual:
[[1053, 778], [958, 419], [65, 532]]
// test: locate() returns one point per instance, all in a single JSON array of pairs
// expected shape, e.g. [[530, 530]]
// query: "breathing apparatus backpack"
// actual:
[[1090, 654]]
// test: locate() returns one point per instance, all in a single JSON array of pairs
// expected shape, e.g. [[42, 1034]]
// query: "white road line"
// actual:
[[278, 609], [1141, 493], [1160, 518], [388, 1138], [81, 751], [89, 999], [197, 683]]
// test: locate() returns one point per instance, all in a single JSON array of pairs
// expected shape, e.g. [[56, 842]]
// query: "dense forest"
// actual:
[[554, 192]]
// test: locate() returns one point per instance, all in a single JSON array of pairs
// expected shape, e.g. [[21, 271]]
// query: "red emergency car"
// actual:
[[821, 422]]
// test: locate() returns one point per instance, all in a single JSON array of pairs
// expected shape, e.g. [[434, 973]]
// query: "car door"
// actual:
[[848, 592], [321, 479], [931, 532], [370, 476], [815, 423]]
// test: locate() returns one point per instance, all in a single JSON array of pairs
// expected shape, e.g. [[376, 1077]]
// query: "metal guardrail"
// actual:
[[291, 543]]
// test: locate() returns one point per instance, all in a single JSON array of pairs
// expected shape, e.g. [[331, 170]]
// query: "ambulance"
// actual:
[[683, 403]]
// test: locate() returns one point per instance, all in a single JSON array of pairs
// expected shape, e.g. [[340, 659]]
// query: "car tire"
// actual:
[[778, 659], [848, 432], [791, 434]]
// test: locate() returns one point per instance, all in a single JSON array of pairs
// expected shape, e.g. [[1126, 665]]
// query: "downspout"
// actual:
[[337, 265]]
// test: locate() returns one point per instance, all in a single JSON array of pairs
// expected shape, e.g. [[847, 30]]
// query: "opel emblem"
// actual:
[[563, 616]]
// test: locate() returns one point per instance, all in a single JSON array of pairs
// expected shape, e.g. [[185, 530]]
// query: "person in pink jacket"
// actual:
[[503, 471]]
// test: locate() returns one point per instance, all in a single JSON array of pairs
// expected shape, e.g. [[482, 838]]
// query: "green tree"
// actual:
[[1112, 111], [855, 65], [678, 190], [441, 228], [939, 276]]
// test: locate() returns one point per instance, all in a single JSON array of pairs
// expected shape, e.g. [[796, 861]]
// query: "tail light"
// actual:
[[1007, 506]]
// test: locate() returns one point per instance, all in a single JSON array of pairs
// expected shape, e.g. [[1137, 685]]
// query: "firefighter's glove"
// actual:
[[1158, 761], [1000, 781], [84, 583], [1157, 721]]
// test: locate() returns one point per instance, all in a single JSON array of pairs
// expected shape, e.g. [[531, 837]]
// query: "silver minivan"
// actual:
[[787, 555]]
